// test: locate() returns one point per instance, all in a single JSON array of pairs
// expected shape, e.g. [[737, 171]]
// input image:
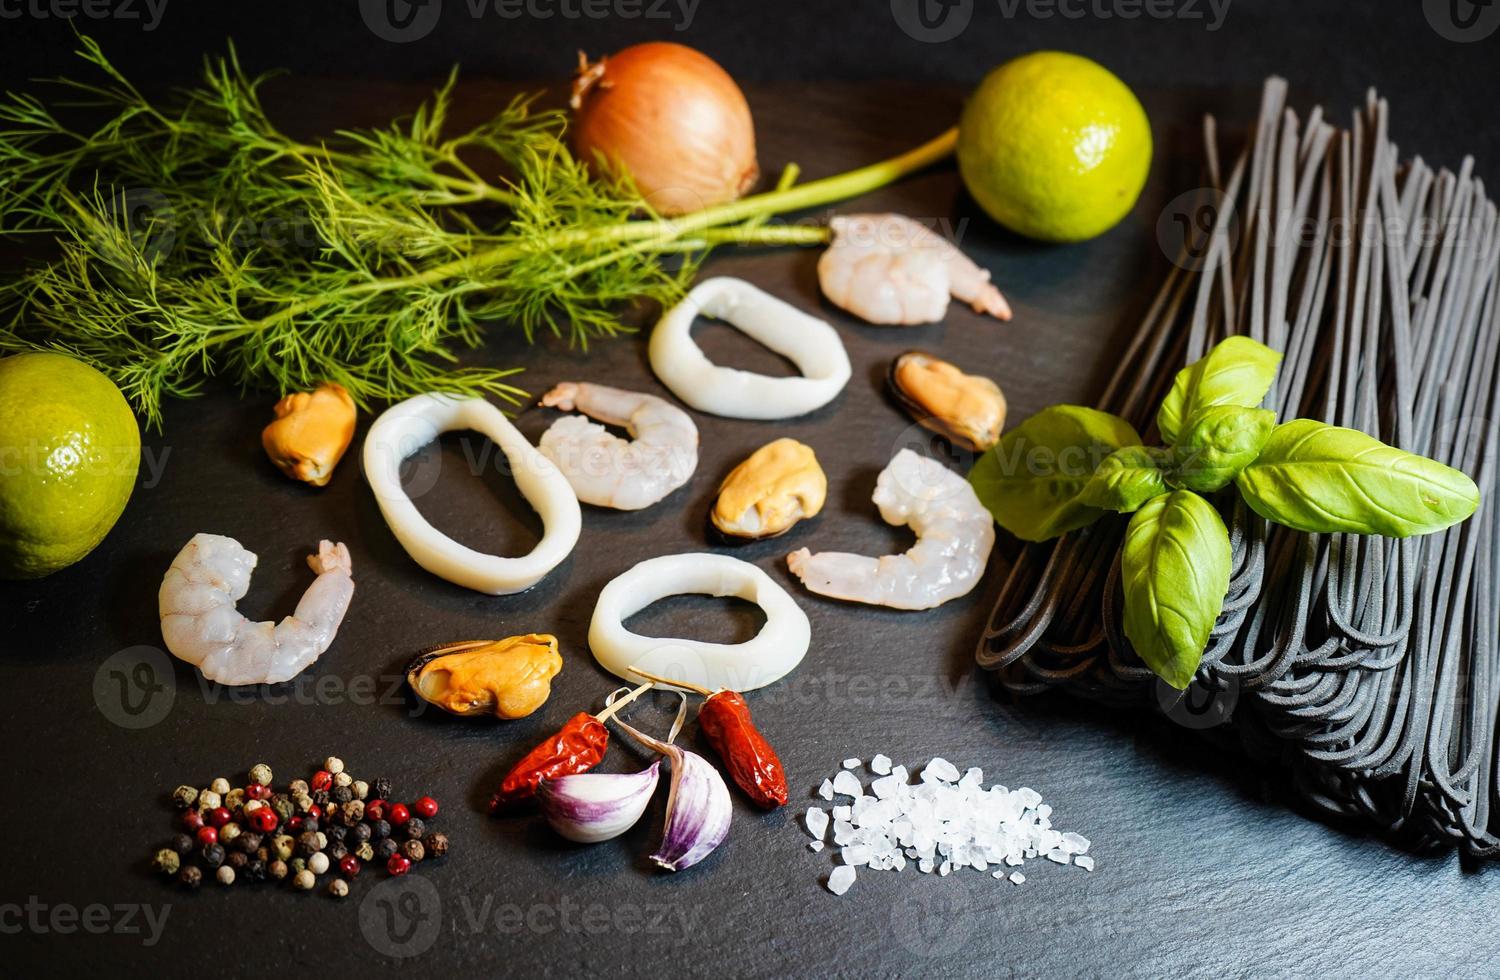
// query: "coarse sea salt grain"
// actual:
[[852, 763], [949, 821]]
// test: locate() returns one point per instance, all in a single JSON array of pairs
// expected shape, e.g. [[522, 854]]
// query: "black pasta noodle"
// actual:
[[1369, 663]]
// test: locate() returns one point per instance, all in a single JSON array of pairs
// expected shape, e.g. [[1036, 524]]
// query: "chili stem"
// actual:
[[684, 685], [609, 711]]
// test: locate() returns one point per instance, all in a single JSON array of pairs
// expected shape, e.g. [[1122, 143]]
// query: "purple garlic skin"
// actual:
[[698, 811], [597, 806]]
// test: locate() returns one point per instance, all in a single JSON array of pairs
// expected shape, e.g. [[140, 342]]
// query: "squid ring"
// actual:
[[770, 655], [406, 427], [808, 342]]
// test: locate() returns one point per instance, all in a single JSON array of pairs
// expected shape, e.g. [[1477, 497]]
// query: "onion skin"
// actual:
[[671, 119]]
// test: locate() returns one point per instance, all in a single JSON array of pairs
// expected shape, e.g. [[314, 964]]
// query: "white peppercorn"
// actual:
[[318, 863], [209, 799], [225, 874], [304, 880], [343, 779], [252, 805], [361, 789], [298, 787], [184, 797], [338, 888], [229, 832], [334, 765], [219, 785], [260, 773], [234, 798]]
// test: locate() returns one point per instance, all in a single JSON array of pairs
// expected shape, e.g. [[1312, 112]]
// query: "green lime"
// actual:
[[69, 451], [1054, 146]]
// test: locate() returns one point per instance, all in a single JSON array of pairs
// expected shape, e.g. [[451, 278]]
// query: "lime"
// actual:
[[69, 451], [1054, 146]]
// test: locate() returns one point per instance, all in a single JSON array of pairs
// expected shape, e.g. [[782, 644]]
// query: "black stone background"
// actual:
[[1206, 866]]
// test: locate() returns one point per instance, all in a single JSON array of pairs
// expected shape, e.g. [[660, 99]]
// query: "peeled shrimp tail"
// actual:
[[201, 625]]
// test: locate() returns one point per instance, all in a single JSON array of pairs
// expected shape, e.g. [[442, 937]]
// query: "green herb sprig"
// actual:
[[194, 238], [1067, 466]]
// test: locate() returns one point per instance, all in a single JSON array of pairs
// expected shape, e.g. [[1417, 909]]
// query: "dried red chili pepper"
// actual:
[[726, 723], [576, 747]]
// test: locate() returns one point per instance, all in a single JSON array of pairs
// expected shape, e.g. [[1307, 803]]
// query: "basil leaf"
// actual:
[[1317, 477], [1218, 443], [1032, 478], [1126, 479], [1175, 567], [1238, 371]]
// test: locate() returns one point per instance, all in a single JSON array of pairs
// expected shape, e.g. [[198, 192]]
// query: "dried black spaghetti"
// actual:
[[1371, 663]]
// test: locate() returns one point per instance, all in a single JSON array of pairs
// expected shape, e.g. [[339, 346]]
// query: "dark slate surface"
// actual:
[[1205, 867]]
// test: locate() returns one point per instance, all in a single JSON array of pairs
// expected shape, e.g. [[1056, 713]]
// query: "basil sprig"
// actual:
[[1067, 466]]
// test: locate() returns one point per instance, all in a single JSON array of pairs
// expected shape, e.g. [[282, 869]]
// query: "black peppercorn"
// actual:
[[413, 851], [337, 833], [380, 829], [341, 794], [190, 876], [307, 843], [182, 843], [360, 832], [310, 823], [263, 854], [436, 844], [256, 869], [237, 859], [248, 842], [385, 849], [381, 789], [336, 852], [415, 828], [320, 797], [213, 855]]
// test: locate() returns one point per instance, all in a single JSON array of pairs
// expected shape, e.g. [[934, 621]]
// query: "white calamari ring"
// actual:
[[779, 646], [808, 342], [406, 427]]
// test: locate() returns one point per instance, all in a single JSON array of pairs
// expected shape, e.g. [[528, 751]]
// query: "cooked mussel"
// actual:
[[967, 409], [775, 487], [508, 678]]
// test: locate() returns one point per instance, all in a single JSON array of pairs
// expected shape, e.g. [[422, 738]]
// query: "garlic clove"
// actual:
[[597, 806], [698, 811], [698, 806]]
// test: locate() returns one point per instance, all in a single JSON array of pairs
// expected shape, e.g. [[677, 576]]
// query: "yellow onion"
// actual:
[[671, 119]]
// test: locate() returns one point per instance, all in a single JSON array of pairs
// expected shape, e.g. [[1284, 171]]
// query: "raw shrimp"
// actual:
[[200, 624], [608, 471], [954, 537], [887, 268]]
